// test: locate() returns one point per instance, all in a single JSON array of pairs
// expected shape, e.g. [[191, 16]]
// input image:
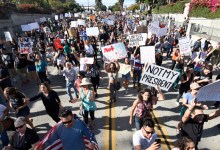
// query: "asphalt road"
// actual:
[[112, 127]]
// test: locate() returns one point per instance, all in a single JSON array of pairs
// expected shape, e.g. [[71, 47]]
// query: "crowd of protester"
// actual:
[[196, 71]]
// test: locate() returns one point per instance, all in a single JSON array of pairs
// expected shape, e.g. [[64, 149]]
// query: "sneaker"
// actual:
[[177, 103]]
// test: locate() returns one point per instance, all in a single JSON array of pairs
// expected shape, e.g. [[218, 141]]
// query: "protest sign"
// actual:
[[114, 52], [153, 29], [155, 23], [124, 69], [33, 26], [137, 39], [7, 36], [147, 54], [74, 24], [123, 13], [162, 31], [86, 60], [76, 15], [210, 92], [56, 17], [110, 22], [142, 29], [81, 22], [184, 45], [46, 29], [66, 15], [83, 16], [25, 47], [93, 31], [43, 19], [159, 76], [61, 16], [25, 28]]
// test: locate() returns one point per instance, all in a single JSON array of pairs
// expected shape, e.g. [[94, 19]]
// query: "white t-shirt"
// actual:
[[139, 139], [89, 49]]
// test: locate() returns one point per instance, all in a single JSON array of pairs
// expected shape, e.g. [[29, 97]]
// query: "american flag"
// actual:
[[57, 145]]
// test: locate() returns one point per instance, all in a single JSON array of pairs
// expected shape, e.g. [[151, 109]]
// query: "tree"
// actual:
[[121, 3], [99, 5]]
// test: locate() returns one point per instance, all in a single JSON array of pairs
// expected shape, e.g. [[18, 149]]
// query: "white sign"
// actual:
[[153, 29], [43, 19], [114, 52], [184, 45], [159, 76], [25, 28], [61, 16], [86, 60], [7, 36], [110, 22], [34, 25], [162, 31], [137, 39], [147, 54], [93, 31], [83, 16], [124, 69], [66, 15], [81, 22], [123, 13], [76, 15], [74, 24], [56, 17]]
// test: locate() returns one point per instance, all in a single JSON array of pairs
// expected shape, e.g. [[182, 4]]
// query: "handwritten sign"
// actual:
[[124, 69], [114, 52], [159, 76], [81, 22], [137, 39], [153, 29], [86, 60], [162, 31], [74, 24], [147, 54], [93, 31], [7, 36], [184, 45]]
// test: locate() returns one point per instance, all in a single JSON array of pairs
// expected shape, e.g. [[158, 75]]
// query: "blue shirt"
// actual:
[[72, 138], [41, 67], [189, 97], [83, 34]]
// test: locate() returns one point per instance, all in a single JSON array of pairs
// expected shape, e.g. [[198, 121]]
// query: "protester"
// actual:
[[4, 77], [126, 77], [143, 106], [184, 143], [145, 137], [50, 100]]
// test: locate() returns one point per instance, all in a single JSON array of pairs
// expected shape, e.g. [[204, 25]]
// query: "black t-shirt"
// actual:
[[20, 62], [17, 100], [193, 129], [24, 142]]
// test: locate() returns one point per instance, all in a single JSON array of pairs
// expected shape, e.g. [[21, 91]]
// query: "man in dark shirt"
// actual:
[[193, 126], [4, 77], [24, 138]]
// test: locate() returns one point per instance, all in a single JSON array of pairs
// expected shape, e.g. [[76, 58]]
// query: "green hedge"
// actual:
[[177, 7], [205, 12]]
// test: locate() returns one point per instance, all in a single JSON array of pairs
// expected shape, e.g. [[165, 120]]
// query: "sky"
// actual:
[[105, 2]]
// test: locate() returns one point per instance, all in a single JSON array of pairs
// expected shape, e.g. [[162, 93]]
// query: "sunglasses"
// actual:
[[147, 132], [67, 122], [19, 127]]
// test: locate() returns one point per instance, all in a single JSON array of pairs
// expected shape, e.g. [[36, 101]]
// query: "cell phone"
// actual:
[[158, 141]]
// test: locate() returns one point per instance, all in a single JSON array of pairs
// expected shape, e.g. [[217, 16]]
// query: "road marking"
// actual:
[[162, 132], [110, 132]]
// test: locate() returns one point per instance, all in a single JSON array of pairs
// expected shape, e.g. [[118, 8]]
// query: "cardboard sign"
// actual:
[[124, 69], [86, 60], [25, 28], [153, 29], [56, 17], [7, 36], [81, 22], [114, 52], [137, 39], [34, 25], [43, 19], [147, 54], [210, 92], [159, 76], [25, 47], [74, 24], [93, 31], [184, 45]]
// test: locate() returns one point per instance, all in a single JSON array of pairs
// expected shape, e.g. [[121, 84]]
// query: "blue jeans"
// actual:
[[4, 138], [138, 123], [136, 74], [70, 85]]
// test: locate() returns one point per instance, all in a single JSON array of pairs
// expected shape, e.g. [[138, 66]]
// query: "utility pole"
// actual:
[[88, 5]]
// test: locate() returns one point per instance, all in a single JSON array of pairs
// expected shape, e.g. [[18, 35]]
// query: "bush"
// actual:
[[177, 7], [31, 8], [205, 12], [134, 7]]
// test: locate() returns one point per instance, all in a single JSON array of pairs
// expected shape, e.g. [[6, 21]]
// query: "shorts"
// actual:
[[24, 112], [31, 68], [126, 76]]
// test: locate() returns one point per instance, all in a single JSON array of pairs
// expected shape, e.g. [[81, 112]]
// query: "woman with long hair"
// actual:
[[112, 70], [143, 106], [50, 100], [18, 102], [41, 68], [179, 67], [125, 77], [184, 143]]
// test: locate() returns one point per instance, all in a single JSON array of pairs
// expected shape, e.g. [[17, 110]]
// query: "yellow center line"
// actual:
[[106, 133], [113, 127], [162, 132]]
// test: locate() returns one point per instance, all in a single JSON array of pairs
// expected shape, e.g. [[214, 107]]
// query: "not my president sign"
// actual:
[[159, 76]]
